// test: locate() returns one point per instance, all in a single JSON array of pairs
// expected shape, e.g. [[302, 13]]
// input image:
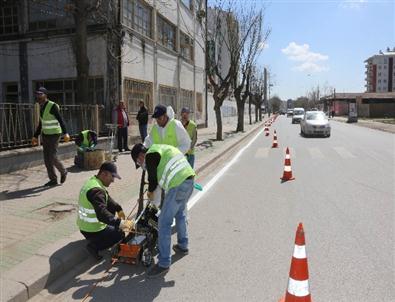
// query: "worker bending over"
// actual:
[[167, 168], [86, 141]]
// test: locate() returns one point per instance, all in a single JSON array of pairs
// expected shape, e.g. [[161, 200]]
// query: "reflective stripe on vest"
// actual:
[[191, 128], [170, 135], [87, 220], [173, 168], [49, 123]]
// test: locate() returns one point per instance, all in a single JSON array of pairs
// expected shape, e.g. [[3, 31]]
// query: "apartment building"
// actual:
[[149, 50], [380, 72]]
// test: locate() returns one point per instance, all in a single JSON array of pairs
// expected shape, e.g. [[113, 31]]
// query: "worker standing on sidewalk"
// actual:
[[190, 127], [168, 131], [50, 127], [96, 214], [167, 168]]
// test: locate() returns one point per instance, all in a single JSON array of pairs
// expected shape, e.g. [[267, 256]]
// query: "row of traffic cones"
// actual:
[[298, 289]]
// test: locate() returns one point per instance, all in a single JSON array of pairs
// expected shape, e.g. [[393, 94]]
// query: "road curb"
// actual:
[[36, 273]]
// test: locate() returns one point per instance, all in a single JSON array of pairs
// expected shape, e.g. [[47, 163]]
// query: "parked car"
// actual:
[[298, 115], [290, 112], [315, 123]]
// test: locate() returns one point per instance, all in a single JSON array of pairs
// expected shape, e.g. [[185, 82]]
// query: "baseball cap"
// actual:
[[41, 90], [136, 150], [185, 110], [159, 111], [110, 167]]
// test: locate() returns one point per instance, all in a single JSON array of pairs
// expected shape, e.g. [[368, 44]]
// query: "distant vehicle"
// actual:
[[314, 109], [315, 123], [290, 112], [297, 115], [282, 111]]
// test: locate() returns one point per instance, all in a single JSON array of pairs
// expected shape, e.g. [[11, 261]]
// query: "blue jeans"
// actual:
[[143, 131], [191, 159], [174, 206]]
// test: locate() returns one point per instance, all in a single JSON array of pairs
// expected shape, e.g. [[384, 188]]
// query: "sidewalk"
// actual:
[[39, 239], [377, 124]]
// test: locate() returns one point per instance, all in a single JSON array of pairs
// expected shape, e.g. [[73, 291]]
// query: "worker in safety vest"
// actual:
[[167, 168], [168, 131], [51, 126], [86, 140], [190, 127], [100, 219]]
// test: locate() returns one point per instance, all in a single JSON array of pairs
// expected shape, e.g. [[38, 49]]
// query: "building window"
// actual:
[[379, 81], [186, 46], [166, 33], [379, 66], [137, 91], [46, 14], [186, 99], [8, 17], [11, 92], [188, 3], [379, 74], [168, 96], [138, 15], [63, 91]]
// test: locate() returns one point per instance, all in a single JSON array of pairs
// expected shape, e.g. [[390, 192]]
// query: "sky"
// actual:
[[323, 43]]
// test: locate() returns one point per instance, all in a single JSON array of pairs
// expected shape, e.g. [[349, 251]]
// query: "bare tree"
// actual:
[[257, 90], [251, 36]]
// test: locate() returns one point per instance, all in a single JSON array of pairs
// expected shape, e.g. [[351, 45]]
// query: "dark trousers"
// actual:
[[123, 138], [50, 150], [104, 239], [143, 131]]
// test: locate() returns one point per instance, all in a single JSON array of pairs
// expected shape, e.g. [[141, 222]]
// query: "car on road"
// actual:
[[298, 115], [290, 112], [315, 123]]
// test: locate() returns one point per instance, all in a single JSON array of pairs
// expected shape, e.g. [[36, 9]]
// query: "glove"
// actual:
[[66, 138], [121, 215], [126, 225], [34, 141], [150, 195]]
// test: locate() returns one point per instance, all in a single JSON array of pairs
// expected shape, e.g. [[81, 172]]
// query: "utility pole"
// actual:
[[206, 69]]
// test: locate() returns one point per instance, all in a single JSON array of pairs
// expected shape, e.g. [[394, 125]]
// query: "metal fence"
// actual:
[[19, 121]]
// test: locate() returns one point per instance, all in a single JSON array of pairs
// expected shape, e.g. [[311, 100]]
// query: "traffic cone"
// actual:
[[275, 144], [298, 283], [287, 175], [266, 131]]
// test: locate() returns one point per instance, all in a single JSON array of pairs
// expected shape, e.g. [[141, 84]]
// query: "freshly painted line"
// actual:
[[195, 199], [343, 152]]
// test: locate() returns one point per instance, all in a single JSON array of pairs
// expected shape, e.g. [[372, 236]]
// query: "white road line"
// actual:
[[343, 152], [195, 199], [316, 152], [262, 153]]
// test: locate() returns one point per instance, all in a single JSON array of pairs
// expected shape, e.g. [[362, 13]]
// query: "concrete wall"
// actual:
[[382, 110]]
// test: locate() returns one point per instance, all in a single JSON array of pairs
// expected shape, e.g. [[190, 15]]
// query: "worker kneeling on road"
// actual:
[[96, 214], [167, 168], [86, 141]]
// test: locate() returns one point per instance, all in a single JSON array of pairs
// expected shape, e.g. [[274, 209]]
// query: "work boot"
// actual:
[[94, 252], [63, 178], [180, 250], [157, 271], [51, 183]]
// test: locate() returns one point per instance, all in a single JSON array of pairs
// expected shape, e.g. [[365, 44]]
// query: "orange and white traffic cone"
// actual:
[[266, 130], [275, 144], [287, 175], [298, 284]]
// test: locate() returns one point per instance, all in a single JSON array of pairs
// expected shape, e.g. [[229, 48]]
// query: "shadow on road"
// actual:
[[25, 193]]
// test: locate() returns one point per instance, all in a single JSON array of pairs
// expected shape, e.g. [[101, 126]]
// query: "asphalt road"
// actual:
[[242, 229]]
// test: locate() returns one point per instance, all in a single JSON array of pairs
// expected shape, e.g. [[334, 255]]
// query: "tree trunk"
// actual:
[[240, 116], [218, 117], [249, 109], [81, 56], [257, 110]]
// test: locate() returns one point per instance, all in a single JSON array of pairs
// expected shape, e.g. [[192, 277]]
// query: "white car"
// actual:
[[298, 115], [315, 123]]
